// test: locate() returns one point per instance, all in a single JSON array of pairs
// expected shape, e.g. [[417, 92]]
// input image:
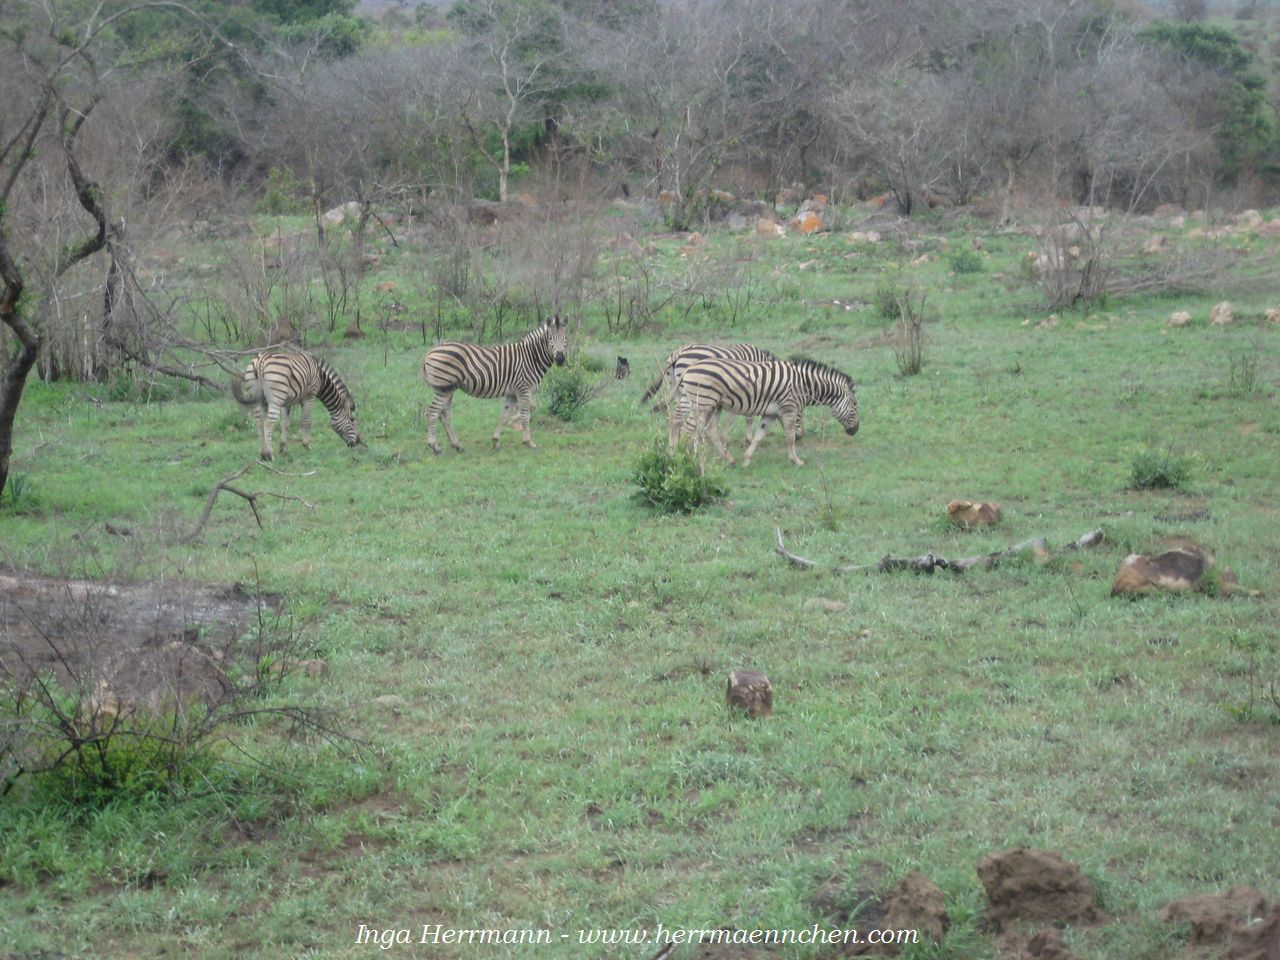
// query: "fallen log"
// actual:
[[930, 562]]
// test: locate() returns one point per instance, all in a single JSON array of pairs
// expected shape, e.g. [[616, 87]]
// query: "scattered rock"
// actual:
[[825, 605], [973, 513], [1234, 922], [1222, 314], [1249, 219], [1035, 886], [865, 236], [1156, 244], [916, 903], [1180, 318], [770, 228], [341, 212], [750, 691], [1182, 568], [1273, 314], [807, 221]]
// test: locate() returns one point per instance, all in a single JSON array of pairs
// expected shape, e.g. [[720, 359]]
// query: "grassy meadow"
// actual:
[[560, 754]]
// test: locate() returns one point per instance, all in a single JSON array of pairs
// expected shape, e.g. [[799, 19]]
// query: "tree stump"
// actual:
[[750, 691]]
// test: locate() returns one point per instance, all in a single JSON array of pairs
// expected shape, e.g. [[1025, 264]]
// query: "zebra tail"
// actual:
[[252, 397], [654, 388]]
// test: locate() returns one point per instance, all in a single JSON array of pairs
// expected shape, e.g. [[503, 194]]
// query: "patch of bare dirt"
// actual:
[[1233, 925], [1035, 887], [135, 637]]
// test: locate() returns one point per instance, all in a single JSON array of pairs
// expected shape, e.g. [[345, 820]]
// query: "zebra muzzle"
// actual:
[[560, 359]]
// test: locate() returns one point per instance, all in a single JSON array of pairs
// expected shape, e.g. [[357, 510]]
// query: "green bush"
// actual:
[[672, 482], [1160, 468], [567, 389], [968, 261]]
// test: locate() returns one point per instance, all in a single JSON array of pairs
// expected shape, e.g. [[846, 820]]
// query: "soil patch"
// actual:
[[77, 629]]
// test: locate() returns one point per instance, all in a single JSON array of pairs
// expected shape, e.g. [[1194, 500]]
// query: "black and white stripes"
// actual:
[[511, 371], [276, 380], [772, 390]]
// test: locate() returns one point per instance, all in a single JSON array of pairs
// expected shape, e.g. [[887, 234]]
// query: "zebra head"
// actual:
[[557, 332], [845, 406], [343, 421]]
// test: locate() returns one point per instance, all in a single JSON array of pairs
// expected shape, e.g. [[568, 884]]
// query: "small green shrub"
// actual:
[[1242, 372], [672, 482], [968, 261], [1159, 468], [283, 194], [567, 389], [18, 494], [888, 296]]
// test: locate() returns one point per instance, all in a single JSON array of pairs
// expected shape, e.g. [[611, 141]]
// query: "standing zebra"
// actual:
[[681, 359], [772, 390], [511, 371], [275, 380]]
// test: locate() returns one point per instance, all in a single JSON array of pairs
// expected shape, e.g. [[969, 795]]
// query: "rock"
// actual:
[[825, 605], [769, 228], [1180, 318], [483, 211], [1235, 923], [1273, 314], [916, 903], [1222, 314], [1249, 219], [786, 197], [750, 691], [1182, 568], [1270, 229], [1156, 244], [721, 196], [864, 236], [667, 197], [1169, 210], [807, 222], [1035, 886], [341, 212], [973, 513]]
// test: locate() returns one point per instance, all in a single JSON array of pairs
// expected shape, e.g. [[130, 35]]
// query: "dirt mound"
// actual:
[[134, 641], [1234, 923], [1045, 945], [1035, 887], [915, 903]]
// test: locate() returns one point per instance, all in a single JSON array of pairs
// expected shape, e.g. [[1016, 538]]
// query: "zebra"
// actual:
[[771, 389], [682, 358], [276, 380], [511, 371]]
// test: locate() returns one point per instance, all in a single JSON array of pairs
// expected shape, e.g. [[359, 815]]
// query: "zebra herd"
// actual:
[[705, 380]]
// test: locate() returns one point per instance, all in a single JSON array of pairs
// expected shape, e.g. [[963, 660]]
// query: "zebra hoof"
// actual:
[[434, 449], [495, 443]]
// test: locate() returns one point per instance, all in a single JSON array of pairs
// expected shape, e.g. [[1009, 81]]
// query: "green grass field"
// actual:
[[562, 756]]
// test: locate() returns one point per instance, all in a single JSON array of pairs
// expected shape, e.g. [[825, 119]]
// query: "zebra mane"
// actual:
[[339, 386], [810, 365]]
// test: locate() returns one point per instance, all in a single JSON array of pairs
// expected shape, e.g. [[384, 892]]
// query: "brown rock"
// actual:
[[1182, 568], [1234, 922], [1180, 318], [769, 228], [1156, 244], [1035, 886], [807, 222], [916, 903], [1169, 210], [1273, 314], [1222, 314], [750, 691], [973, 513]]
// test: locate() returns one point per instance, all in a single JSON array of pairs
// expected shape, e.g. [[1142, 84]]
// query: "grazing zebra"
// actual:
[[275, 380], [681, 359], [772, 390], [511, 371]]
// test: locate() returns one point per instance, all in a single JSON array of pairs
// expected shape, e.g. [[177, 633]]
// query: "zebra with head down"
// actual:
[[771, 390], [276, 380]]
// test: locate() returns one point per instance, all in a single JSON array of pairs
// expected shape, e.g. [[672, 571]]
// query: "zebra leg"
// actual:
[[268, 424], [713, 428], [507, 413], [306, 424], [791, 424], [524, 413], [441, 408], [765, 420]]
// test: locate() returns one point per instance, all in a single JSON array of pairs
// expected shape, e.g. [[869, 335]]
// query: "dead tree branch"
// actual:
[[251, 498], [930, 562]]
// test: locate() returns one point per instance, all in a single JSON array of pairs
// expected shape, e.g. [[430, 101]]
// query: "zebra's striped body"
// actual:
[[681, 359], [276, 380], [511, 371], [771, 390]]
